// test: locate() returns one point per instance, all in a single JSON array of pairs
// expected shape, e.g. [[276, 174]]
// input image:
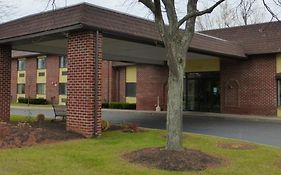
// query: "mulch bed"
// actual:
[[17, 135], [237, 146], [186, 160]]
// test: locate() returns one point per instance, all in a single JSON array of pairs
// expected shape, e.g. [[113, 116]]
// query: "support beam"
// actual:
[[84, 83], [5, 82]]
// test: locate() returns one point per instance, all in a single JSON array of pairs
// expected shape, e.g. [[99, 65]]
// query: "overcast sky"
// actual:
[[27, 7]]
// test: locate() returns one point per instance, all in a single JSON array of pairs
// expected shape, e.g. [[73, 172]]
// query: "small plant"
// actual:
[[40, 118], [23, 125], [132, 128], [105, 125]]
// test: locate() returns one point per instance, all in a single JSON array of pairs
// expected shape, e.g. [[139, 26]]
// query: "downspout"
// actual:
[[108, 82], [96, 85]]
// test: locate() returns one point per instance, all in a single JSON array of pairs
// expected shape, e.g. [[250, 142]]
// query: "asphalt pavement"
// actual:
[[255, 131]]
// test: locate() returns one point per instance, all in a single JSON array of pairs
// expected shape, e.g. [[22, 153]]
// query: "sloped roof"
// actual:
[[86, 16], [254, 39]]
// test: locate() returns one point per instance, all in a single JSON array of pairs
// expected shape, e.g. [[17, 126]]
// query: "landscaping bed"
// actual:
[[20, 134], [185, 160]]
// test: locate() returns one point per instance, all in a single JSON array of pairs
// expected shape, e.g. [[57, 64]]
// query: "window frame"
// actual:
[[65, 88], [63, 61], [41, 58], [18, 64], [133, 93], [37, 89], [23, 89]]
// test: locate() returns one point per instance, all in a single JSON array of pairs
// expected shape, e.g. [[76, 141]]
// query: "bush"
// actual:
[[119, 105], [36, 101]]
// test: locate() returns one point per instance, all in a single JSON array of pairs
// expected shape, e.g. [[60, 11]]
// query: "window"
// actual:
[[64, 73], [41, 74], [41, 88], [130, 89], [20, 88], [41, 63], [21, 64], [21, 75], [62, 89], [63, 62]]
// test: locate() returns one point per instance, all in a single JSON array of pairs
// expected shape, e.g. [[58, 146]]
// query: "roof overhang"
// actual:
[[47, 33]]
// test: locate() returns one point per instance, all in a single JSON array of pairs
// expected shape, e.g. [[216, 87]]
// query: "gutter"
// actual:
[[42, 33]]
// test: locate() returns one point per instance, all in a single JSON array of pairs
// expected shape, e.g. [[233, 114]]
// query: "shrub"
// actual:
[[36, 101], [105, 125], [119, 105]]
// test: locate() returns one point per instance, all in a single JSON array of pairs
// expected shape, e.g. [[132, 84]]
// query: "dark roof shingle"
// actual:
[[110, 22], [255, 39]]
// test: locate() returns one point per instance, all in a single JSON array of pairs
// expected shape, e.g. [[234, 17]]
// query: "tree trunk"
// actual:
[[175, 105]]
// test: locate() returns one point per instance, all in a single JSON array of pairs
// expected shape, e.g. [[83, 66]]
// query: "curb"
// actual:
[[253, 118]]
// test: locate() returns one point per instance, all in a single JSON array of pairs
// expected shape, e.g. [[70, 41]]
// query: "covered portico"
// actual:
[[89, 34]]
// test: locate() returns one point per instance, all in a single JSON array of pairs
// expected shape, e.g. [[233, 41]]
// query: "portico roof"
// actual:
[[24, 33]]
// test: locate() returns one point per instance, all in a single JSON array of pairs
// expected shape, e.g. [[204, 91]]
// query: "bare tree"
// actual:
[[176, 43], [229, 14], [273, 13]]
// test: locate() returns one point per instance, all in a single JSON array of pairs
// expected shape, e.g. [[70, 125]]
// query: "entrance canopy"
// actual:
[[126, 38]]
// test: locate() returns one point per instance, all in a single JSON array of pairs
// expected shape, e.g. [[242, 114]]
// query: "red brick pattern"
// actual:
[[31, 78], [249, 87], [14, 77], [5, 79], [107, 81], [52, 79], [151, 83], [81, 83]]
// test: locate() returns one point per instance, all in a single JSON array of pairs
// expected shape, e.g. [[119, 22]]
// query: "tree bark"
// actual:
[[175, 103]]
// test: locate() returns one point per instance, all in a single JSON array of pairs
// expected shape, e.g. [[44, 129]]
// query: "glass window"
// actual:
[[63, 62], [130, 89], [20, 88], [41, 88], [41, 63], [62, 89], [21, 64]]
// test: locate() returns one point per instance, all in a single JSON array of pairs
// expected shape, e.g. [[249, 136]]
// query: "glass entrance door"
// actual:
[[202, 92]]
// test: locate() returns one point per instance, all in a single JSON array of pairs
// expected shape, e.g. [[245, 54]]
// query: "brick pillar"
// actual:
[[151, 83], [81, 113], [5, 85]]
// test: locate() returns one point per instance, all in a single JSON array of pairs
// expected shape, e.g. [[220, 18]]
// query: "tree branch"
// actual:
[[199, 13], [270, 11], [149, 4]]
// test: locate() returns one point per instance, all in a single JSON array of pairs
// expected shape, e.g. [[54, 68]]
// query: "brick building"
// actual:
[[117, 57]]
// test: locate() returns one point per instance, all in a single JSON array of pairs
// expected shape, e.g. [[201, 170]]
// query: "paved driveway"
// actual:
[[259, 132]]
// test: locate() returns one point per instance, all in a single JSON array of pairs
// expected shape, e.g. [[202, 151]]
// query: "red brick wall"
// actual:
[[5, 82], [121, 84], [14, 76], [249, 87], [107, 81], [151, 83], [52, 71], [81, 83], [31, 77]]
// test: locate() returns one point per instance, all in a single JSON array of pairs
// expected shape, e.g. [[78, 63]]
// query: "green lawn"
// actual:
[[19, 118], [31, 105], [103, 156]]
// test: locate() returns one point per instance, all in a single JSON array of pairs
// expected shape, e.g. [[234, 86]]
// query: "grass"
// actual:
[[103, 156], [31, 105], [19, 118]]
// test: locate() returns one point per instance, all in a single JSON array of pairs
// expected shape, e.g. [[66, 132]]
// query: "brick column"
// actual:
[[81, 113], [151, 83], [5, 85]]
